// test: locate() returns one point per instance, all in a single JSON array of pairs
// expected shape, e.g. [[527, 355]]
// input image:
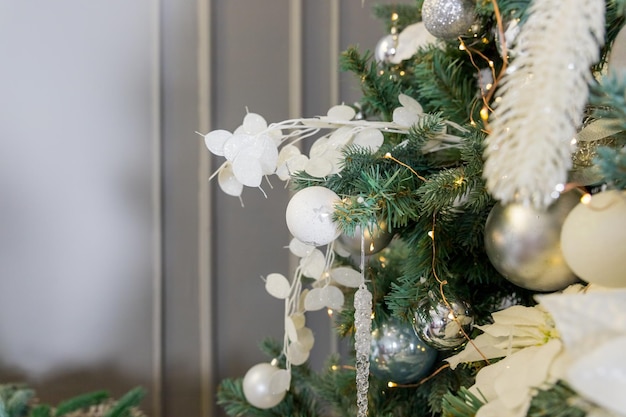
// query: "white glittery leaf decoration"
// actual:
[[542, 98]]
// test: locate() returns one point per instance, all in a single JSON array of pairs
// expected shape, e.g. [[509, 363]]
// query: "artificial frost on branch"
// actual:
[[542, 99]]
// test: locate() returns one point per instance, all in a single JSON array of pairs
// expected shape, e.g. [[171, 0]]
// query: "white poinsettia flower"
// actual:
[[593, 329], [509, 384], [514, 328]]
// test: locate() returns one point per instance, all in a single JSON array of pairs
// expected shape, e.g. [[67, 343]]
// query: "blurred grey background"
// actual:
[[120, 264]]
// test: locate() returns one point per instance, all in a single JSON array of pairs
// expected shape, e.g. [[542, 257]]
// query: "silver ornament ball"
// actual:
[[448, 19], [444, 326], [376, 237], [386, 49], [397, 354], [523, 243]]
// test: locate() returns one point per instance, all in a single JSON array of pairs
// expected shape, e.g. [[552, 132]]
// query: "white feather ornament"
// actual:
[[542, 99]]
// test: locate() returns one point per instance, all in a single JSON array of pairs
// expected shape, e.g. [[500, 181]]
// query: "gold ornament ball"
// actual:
[[593, 239], [523, 243]]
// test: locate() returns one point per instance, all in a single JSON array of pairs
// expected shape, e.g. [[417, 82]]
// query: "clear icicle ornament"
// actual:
[[363, 337]]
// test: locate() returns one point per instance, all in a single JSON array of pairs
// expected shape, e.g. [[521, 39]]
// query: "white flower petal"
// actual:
[[518, 378], [319, 167], [290, 329], [235, 144], [297, 354], [600, 375], [298, 319], [215, 140], [346, 276], [404, 116], [300, 249], [341, 113], [277, 286], [333, 297], [369, 138], [314, 300], [227, 181], [340, 137], [306, 338], [269, 155], [410, 40], [293, 165], [247, 170], [410, 103], [288, 152], [254, 123], [313, 264], [486, 345]]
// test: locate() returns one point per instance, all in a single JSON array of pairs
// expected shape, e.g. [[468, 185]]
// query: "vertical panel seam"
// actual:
[[204, 211], [295, 59], [296, 66], [157, 219], [333, 50]]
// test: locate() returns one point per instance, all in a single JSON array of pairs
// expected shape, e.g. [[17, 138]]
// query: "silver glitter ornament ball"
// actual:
[[444, 326], [448, 19], [398, 354], [524, 243]]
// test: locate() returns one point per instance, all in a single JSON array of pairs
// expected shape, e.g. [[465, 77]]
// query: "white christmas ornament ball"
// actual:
[[257, 386], [593, 239], [309, 215]]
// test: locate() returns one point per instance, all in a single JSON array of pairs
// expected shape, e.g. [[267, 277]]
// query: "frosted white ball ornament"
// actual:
[[257, 386], [523, 243], [309, 215], [593, 239]]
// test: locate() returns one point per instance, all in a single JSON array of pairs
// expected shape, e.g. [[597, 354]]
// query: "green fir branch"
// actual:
[[407, 14], [447, 83], [461, 404], [556, 401], [79, 402], [612, 165], [123, 407], [41, 410], [380, 91], [18, 405]]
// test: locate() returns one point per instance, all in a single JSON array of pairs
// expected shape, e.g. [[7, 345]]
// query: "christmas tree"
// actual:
[[465, 221]]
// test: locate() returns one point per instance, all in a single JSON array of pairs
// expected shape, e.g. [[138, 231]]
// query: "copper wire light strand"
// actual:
[[445, 300]]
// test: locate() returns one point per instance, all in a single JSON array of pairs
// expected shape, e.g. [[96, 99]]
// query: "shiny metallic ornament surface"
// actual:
[[448, 19], [257, 386], [376, 236], [386, 49], [524, 243], [444, 326], [398, 355]]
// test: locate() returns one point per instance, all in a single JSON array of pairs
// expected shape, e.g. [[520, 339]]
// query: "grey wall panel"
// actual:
[[250, 67]]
